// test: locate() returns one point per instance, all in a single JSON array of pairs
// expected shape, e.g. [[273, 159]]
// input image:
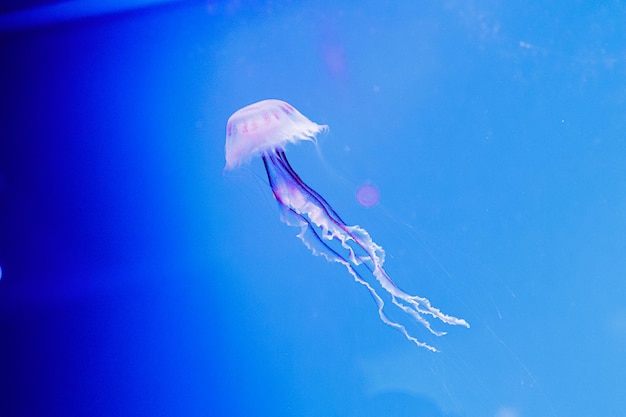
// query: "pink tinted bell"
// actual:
[[264, 126]]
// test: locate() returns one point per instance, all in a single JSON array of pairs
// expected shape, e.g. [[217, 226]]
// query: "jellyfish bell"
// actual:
[[264, 126]]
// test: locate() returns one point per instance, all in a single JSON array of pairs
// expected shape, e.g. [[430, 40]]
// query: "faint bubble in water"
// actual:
[[367, 195]]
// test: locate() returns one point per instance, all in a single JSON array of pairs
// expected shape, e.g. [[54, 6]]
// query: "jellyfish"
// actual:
[[265, 128]]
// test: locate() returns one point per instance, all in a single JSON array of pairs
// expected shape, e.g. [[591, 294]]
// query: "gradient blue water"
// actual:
[[139, 279]]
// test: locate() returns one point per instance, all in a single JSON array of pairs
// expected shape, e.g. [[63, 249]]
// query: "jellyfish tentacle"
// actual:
[[348, 231], [282, 158], [289, 189], [319, 248], [416, 304], [314, 215]]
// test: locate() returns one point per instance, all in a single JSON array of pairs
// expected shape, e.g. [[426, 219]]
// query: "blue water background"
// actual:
[[139, 279]]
